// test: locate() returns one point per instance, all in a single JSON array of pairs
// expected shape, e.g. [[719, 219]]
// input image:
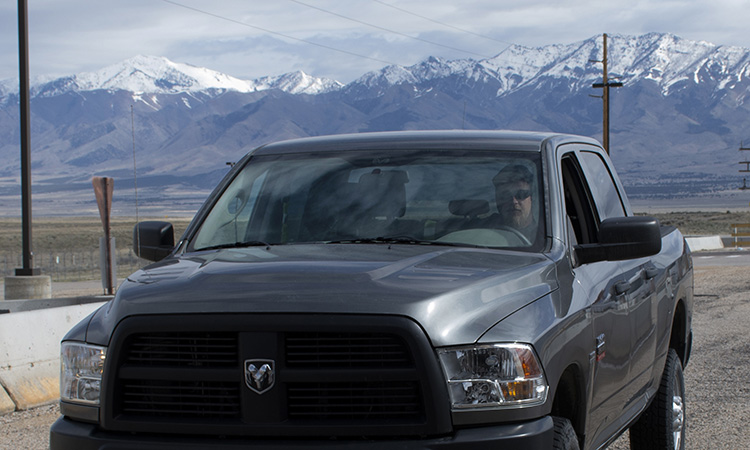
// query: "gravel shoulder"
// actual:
[[718, 392], [28, 429], [716, 378]]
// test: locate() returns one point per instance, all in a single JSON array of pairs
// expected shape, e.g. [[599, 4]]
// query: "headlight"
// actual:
[[493, 376], [81, 368]]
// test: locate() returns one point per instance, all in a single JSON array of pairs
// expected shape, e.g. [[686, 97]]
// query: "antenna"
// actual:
[[135, 176]]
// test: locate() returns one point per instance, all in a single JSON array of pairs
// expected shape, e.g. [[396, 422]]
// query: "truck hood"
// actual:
[[455, 294]]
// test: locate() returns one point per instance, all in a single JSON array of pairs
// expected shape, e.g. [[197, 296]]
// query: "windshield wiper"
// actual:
[[398, 239], [237, 245]]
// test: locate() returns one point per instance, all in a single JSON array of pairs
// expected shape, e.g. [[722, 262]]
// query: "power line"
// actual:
[[389, 30], [442, 23], [265, 30]]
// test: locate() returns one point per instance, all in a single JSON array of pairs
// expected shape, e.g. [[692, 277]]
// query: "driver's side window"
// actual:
[[578, 205]]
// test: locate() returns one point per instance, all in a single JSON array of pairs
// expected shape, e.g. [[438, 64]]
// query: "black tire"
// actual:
[[662, 425], [565, 435]]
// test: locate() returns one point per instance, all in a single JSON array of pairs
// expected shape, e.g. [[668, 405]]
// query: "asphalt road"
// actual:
[[722, 258], [717, 377]]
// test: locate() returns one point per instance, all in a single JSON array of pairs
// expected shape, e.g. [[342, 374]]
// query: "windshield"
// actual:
[[484, 199]]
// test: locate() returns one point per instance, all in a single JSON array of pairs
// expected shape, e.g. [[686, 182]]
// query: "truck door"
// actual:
[[602, 287], [637, 287]]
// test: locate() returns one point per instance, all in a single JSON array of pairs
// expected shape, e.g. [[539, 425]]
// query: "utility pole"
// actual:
[[605, 85], [23, 65], [747, 166], [28, 281]]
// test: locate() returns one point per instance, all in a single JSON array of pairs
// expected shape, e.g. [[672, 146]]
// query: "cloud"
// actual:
[[80, 35]]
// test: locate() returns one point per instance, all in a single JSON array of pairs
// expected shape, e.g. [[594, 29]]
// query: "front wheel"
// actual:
[[662, 425], [565, 435]]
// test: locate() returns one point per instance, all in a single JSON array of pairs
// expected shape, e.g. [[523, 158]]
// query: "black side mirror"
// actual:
[[153, 240], [623, 238]]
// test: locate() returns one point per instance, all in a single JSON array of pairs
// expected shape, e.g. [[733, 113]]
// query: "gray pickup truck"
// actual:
[[410, 290]]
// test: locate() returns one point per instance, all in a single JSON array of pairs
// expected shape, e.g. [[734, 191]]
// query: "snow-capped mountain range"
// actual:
[[158, 75], [676, 122], [661, 57]]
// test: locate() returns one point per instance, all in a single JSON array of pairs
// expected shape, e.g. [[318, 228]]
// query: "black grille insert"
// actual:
[[183, 349], [181, 399], [355, 400], [346, 350]]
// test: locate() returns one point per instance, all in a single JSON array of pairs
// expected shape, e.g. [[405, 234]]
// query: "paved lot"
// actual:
[[717, 378], [722, 258]]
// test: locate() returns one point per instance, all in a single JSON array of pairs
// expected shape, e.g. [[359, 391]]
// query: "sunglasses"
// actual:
[[520, 194]]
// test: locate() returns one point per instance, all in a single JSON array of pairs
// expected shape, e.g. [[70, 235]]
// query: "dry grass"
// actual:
[[61, 234], [67, 248], [704, 223]]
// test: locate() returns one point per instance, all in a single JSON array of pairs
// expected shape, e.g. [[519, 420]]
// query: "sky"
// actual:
[[341, 40]]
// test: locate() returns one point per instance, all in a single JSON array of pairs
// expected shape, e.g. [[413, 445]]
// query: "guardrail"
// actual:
[[739, 231]]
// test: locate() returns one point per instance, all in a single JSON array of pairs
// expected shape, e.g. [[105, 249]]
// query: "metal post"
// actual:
[[103, 189], [23, 66]]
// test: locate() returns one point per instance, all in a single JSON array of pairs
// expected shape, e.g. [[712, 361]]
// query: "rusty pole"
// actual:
[[103, 188]]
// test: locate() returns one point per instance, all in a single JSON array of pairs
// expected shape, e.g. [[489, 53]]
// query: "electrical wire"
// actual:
[[442, 23], [388, 30], [265, 30]]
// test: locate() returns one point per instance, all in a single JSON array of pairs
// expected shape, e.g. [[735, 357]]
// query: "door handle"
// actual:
[[651, 272], [621, 287]]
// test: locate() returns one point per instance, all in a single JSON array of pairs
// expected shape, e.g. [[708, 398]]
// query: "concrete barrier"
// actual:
[[36, 286], [6, 404], [698, 243], [30, 351]]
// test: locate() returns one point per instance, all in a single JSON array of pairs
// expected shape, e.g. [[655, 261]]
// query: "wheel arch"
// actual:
[[570, 399], [681, 338]]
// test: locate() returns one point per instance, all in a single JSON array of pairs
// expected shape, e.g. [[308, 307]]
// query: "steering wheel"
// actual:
[[492, 237], [517, 233]]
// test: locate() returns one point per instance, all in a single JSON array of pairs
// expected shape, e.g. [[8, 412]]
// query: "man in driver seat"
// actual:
[[513, 196]]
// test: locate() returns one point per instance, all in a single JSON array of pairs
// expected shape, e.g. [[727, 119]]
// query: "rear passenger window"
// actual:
[[603, 189]]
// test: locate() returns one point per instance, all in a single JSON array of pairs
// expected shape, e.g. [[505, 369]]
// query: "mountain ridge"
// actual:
[[666, 55], [143, 74]]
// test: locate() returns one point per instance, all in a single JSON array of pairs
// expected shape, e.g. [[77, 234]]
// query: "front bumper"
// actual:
[[67, 434]]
